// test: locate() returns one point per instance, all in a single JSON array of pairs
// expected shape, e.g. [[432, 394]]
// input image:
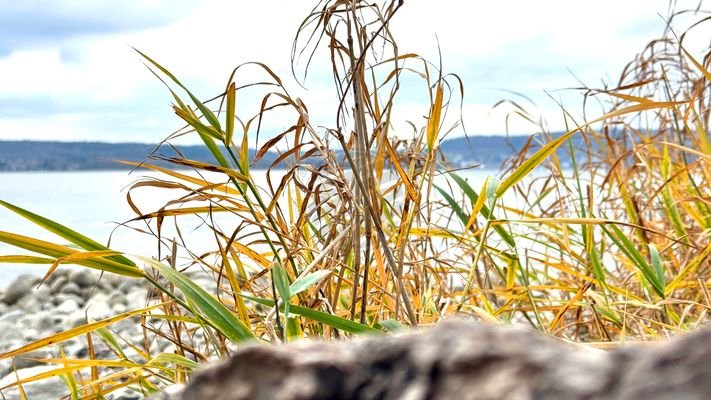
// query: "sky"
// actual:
[[68, 70]]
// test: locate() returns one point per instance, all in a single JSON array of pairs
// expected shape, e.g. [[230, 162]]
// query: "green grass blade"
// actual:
[[111, 341], [230, 114], [657, 265], [473, 197], [392, 325], [318, 316], [214, 312], [281, 281], [454, 205], [209, 115], [529, 165], [305, 282], [64, 232], [628, 248]]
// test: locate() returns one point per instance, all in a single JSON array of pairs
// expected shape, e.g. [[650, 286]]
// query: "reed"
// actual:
[[365, 233]]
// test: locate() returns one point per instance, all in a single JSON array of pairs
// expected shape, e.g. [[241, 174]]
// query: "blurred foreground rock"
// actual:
[[458, 360]]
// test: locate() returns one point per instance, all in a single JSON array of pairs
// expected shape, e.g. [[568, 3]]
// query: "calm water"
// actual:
[[93, 203]]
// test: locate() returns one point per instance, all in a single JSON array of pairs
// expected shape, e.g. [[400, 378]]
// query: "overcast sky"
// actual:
[[67, 70]]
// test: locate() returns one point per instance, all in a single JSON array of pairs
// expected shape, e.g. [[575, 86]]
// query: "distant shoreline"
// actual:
[[53, 156]]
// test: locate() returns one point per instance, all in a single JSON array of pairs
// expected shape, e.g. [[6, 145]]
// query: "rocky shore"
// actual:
[[68, 299]]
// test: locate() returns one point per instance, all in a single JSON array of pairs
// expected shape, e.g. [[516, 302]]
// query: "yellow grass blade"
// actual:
[[698, 66], [64, 232], [688, 269], [183, 177], [435, 116], [478, 205], [19, 259], [79, 330], [57, 251], [411, 191]]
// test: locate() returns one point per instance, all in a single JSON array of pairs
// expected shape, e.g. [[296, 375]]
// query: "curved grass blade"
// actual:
[[484, 211], [628, 248], [209, 115], [505, 236], [64, 232], [529, 165], [74, 332], [214, 312], [58, 251], [689, 268]]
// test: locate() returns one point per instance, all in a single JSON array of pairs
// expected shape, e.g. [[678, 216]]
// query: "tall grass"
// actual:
[[363, 232]]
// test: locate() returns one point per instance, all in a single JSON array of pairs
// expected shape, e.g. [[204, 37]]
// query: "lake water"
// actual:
[[94, 203]]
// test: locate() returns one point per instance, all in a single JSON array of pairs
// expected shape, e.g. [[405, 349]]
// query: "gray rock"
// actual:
[[10, 337], [50, 322], [5, 367], [84, 278], [119, 309], [35, 300], [127, 285], [21, 287], [61, 272], [67, 306], [11, 317], [62, 297], [136, 298], [43, 293], [97, 311], [125, 394], [108, 282], [172, 392], [75, 319], [30, 304], [72, 288], [57, 284], [117, 297], [52, 388], [458, 360]]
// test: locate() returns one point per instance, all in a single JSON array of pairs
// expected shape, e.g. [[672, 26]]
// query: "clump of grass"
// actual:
[[361, 235]]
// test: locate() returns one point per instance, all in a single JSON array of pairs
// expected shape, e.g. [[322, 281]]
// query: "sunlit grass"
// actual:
[[358, 235]]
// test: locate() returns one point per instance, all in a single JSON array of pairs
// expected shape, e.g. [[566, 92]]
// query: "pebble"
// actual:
[[64, 301], [22, 286], [58, 284], [72, 288], [84, 278], [67, 306]]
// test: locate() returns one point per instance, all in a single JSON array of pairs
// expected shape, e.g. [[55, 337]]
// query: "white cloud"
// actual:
[[99, 90]]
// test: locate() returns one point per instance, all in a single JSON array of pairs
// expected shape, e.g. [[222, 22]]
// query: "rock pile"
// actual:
[[66, 300], [458, 360], [455, 360]]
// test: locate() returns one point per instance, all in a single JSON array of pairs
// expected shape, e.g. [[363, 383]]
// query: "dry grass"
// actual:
[[361, 234]]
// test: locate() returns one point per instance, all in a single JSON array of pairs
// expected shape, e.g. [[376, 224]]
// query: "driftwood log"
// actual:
[[458, 360]]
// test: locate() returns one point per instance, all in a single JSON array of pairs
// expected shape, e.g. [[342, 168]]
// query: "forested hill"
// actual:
[[86, 156], [77, 156]]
